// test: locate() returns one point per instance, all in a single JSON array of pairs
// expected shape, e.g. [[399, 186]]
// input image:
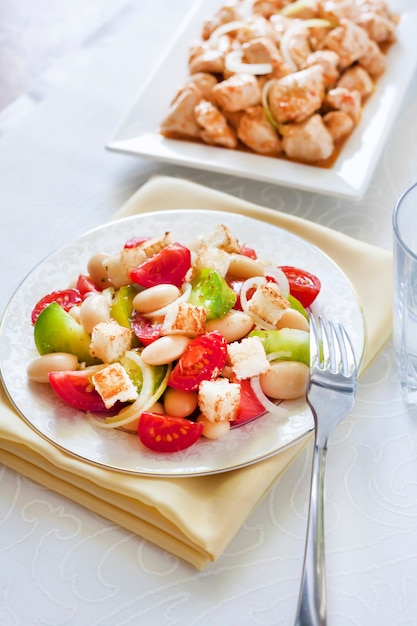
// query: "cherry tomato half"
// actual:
[[85, 285], [163, 433], [167, 266], [303, 285], [67, 298], [203, 359], [76, 389], [249, 407], [145, 329]]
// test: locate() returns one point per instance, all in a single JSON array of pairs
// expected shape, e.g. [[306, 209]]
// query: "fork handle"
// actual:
[[311, 609]]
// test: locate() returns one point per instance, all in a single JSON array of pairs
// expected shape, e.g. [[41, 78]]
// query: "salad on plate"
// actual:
[[175, 342]]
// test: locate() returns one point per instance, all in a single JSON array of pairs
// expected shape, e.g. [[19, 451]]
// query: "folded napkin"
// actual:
[[195, 518]]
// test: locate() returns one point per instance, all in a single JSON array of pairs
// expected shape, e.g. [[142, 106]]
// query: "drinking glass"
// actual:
[[405, 291]]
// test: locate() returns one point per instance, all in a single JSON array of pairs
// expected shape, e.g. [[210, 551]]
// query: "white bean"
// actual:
[[233, 326], [180, 403], [93, 310], [165, 349], [97, 271], [155, 297], [214, 430], [285, 380], [244, 267], [41, 366], [293, 319]]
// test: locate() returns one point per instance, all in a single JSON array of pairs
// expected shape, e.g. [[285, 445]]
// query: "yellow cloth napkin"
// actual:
[[194, 518]]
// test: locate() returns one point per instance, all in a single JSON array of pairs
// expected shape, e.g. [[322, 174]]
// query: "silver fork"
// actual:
[[331, 396]]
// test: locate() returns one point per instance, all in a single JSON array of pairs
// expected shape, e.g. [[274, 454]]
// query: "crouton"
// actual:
[[185, 319], [156, 244], [247, 357], [109, 341], [118, 266], [219, 399], [221, 238], [113, 384], [268, 303], [214, 258]]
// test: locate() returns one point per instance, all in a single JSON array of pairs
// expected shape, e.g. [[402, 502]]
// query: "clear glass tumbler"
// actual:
[[405, 291]]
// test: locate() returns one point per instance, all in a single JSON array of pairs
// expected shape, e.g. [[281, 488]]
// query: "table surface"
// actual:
[[65, 90]]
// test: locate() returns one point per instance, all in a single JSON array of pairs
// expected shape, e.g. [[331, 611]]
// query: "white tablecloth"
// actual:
[[59, 563]]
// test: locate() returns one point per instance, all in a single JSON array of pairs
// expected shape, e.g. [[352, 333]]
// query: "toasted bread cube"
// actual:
[[221, 238], [185, 319], [247, 357], [214, 258], [219, 399], [156, 244], [118, 266], [113, 384], [268, 303], [109, 341]]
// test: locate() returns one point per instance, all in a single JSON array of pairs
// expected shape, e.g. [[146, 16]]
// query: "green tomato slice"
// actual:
[[56, 331], [287, 344], [122, 305], [210, 290]]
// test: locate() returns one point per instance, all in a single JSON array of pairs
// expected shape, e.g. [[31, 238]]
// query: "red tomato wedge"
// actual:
[[134, 242], [67, 298], [249, 407], [249, 252], [145, 329], [203, 359], [167, 266], [85, 285], [303, 285], [162, 433], [75, 389]]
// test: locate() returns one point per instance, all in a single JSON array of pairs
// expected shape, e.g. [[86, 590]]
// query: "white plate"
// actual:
[[70, 430], [350, 175]]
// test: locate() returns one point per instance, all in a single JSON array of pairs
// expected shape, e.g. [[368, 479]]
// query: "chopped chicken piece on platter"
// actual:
[[339, 124], [374, 61], [206, 59], [266, 8], [345, 100], [380, 28], [329, 61], [237, 93], [180, 118], [335, 10], [204, 82], [309, 141], [293, 98], [215, 129], [257, 133], [357, 78], [228, 13], [262, 50], [349, 40]]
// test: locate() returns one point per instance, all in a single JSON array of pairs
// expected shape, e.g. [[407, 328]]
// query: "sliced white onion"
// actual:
[[184, 297], [144, 402], [234, 63], [280, 278], [251, 283], [269, 406], [299, 26], [292, 9], [265, 103], [223, 30]]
